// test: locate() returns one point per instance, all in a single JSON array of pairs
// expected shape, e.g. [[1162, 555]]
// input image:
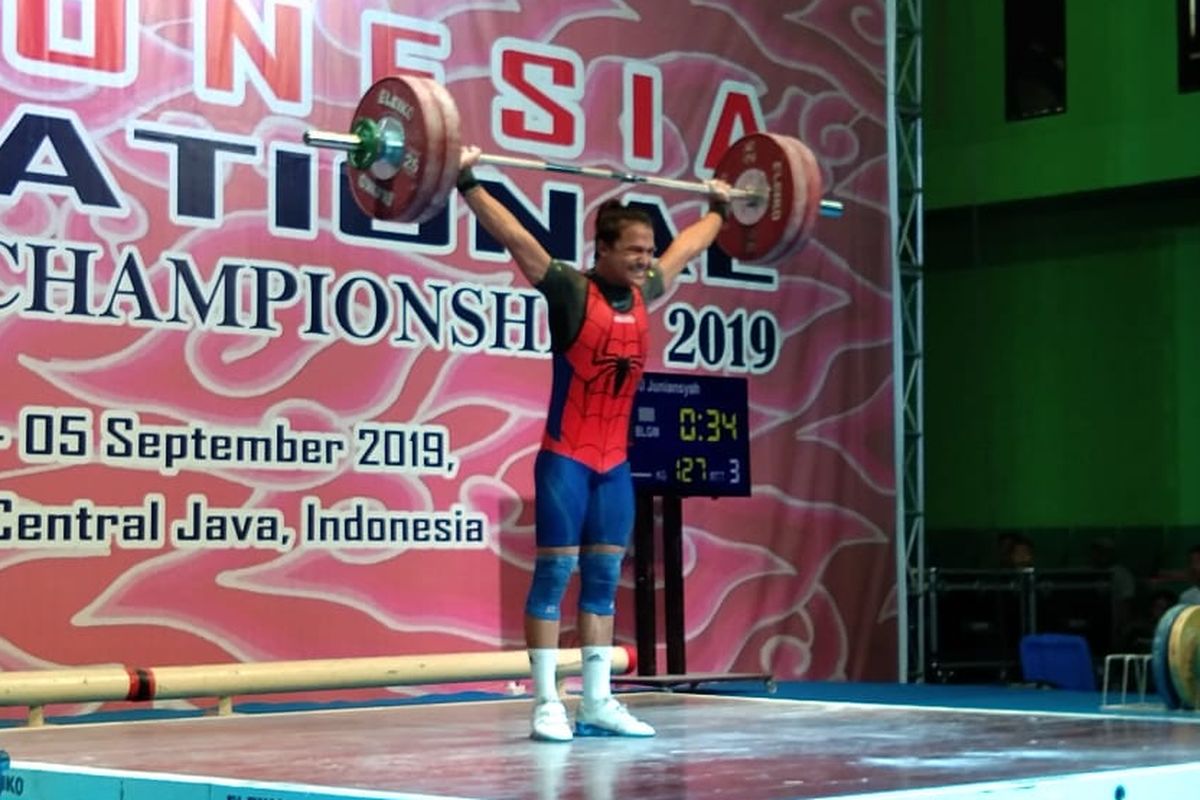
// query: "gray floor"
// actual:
[[707, 747]]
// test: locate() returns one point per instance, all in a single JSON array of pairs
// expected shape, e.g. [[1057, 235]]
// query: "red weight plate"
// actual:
[[813, 192], [420, 209], [394, 99], [798, 201], [453, 149], [752, 160]]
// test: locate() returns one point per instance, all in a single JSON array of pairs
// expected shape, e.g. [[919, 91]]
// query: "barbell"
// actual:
[[404, 146]]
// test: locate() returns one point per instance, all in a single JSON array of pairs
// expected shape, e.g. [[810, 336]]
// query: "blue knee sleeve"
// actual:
[[599, 574], [551, 574]]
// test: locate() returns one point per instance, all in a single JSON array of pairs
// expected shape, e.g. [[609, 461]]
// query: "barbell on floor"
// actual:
[[405, 143], [1175, 657]]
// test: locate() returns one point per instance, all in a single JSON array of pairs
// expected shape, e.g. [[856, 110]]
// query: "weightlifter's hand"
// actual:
[[466, 176], [718, 190], [469, 157], [718, 196]]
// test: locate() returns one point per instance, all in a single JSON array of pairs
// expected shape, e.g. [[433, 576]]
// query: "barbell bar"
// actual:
[[404, 146], [390, 148]]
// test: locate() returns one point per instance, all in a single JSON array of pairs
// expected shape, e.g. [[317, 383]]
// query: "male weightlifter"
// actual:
[[584, 499]]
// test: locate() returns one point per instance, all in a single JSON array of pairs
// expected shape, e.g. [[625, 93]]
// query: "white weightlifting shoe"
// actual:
[[609, 717], [550, 722]]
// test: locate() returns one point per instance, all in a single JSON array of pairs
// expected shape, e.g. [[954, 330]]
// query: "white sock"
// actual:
[[543, 666], [597, 673]]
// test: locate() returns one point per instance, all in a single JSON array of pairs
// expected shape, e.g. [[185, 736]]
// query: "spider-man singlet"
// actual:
[[594, 382], [583, 489]]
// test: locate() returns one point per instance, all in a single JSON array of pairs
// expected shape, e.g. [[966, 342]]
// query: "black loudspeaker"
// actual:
[[1188, 13], [976, 620], [1035, 58]]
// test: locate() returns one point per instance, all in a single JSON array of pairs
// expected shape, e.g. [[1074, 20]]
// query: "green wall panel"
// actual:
[[1062, 362], [1125, 123]]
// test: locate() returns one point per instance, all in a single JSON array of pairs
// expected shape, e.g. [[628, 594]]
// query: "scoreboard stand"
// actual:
[[690, 439]]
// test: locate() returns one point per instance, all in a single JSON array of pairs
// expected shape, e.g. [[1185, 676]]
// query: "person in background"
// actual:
[[1145, 623], [1021, 555], [1191, 595], [1160, 603], [1004, 548], [1123, 586]]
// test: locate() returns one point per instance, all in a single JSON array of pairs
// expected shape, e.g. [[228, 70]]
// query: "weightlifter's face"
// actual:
[[626, 262]]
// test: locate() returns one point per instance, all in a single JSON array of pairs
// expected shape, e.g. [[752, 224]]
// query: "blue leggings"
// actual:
[[576, 505]]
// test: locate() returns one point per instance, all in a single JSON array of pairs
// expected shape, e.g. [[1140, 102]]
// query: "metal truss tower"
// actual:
[[907, 202]]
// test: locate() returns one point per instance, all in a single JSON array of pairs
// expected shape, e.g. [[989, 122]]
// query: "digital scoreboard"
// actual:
[[689, 436]]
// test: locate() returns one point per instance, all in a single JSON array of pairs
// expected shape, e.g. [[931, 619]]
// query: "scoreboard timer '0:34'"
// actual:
[[690, 436]]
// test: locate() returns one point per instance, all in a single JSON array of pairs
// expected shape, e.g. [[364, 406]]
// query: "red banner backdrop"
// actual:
[[241, 421]]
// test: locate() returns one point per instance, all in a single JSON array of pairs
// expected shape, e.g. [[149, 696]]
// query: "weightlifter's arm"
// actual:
[[497, 220], [696, 238]]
